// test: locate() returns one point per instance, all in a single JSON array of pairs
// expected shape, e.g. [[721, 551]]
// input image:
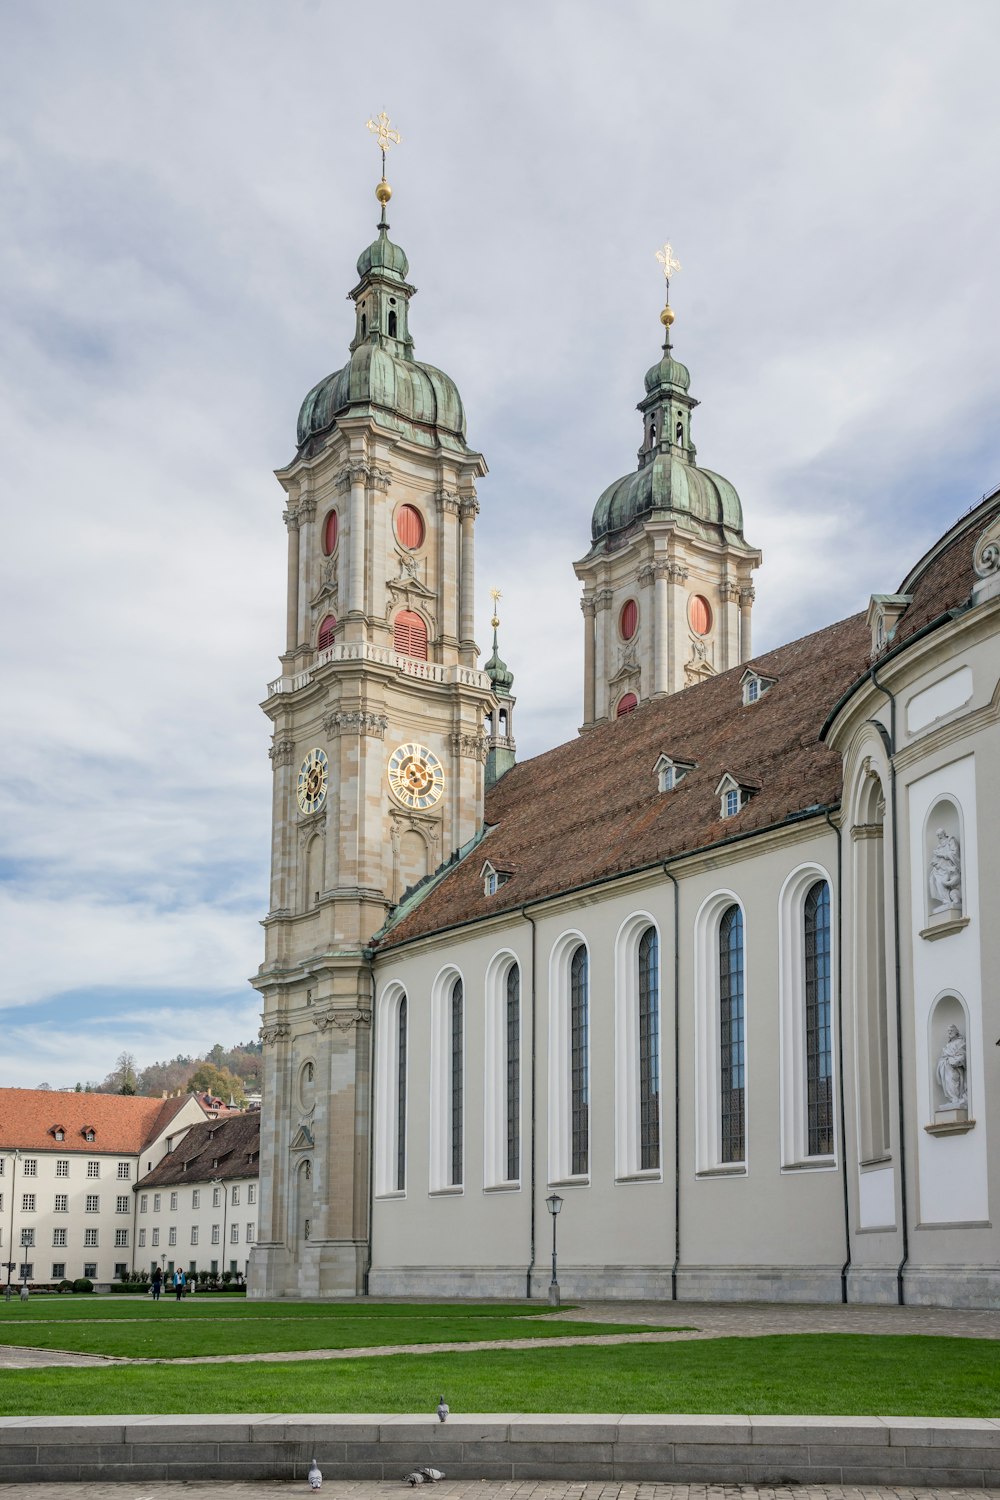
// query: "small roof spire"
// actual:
[[497, 670]]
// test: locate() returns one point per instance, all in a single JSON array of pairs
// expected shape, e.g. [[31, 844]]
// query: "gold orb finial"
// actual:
[[667, 316], [496, 596], [383, 192]]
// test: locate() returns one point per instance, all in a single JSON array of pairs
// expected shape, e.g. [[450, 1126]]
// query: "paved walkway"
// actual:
[[478, 1489]]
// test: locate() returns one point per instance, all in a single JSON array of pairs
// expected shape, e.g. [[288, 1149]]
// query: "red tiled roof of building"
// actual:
[[591, 809], [120, 1122]]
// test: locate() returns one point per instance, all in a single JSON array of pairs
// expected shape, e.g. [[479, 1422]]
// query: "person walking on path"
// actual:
[[157, 1283], [180, 1283]]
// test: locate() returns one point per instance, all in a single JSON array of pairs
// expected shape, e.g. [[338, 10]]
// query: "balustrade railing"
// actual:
[[384, 656]]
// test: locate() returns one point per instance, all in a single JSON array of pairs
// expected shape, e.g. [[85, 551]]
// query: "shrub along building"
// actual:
[[197, 1208], [68, 1164], [712, 973]]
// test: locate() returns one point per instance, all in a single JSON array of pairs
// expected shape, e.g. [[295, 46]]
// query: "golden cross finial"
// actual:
[[385, 136], [495, 595], [668, 261]]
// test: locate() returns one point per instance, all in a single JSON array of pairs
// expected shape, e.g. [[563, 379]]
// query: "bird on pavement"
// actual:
[[423, 1476], [315, 1476], [443, 1409]]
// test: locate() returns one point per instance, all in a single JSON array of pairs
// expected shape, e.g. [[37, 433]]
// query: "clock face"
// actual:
[[311, 789], [416, 776]]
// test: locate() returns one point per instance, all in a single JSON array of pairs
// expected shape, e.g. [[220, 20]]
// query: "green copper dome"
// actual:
[[700, 501], [669, 372], [382, 255], [498, 671]]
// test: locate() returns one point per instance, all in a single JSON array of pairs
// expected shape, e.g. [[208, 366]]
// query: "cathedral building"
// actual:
[[712, 975]]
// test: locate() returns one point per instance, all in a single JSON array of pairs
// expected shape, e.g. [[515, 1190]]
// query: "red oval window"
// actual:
[[409, 526], [700, 615], [629, 619], [326, 630], [330, 533], [409, 634], [626, 705]]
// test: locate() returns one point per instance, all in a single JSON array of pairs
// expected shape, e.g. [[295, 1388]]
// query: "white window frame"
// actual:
[[387, 1089], [708, 1128], [560, 1101], [59, 1239], [439, 1157], [628, 1141], [495, 1073], [62, 1167], [794, 1130], [91, 1239]]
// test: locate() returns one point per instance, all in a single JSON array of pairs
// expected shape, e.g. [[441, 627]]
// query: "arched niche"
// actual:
[[949, 1062], [943, 855], [307, 1084]]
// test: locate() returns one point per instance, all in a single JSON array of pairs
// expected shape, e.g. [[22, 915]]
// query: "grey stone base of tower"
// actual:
[[332, 1268]]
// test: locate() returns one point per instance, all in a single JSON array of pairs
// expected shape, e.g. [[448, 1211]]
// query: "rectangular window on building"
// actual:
[[90, 1269], [194, 1234], [195, 1198], [59, 1238], [62, 1203], [123, 1203], [234, 1234], [252, 1193], [27, 1239], [121, 1270], [1, 1203], [173, 1202], [121, 1239], [58, 1270], [216, 1234], [29, 1167], [142, 1239], [62, 1168], [28, 1203], [236, 1195], [125, 1171], [26, 1271], [90, 1238], [251, 1231], [93, 1169], [143, 1202], [216, 1197], [93, 1203], [172, 1236], [156, 1238], [156, 1203]]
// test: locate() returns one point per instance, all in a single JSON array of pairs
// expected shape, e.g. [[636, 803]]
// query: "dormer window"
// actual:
[[88, 1133], [754, 686], [884, 611], [670, 772], [734, 794], [59, 1133], [493, 878]]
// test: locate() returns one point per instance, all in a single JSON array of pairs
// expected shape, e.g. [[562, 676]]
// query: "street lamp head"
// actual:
[[553, 1203]]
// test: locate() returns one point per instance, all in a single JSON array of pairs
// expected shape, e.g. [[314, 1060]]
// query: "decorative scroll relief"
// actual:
[[357, 722], [278, 1032], [471, 746], [282, 752], [343, 1020], [986, 556]]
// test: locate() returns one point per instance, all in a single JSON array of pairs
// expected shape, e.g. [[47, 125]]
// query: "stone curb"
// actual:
[[904, 1452]]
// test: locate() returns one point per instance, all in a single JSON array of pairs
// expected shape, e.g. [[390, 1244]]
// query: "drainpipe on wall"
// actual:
[[845, 1268], [371, 1133], [531, 1255], [677, 1083], [893, 823]]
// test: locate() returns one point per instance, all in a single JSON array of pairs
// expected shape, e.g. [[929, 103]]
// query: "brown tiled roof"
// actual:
[[121, 1122], [591, 809], [218, 1148]]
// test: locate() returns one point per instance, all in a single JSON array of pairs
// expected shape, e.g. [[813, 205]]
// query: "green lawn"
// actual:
[[835, 1374], [139, 1328]]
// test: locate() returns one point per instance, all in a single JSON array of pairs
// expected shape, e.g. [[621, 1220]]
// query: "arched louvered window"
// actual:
[[330, 526], [649, 1050], [579, 1037], [457, 1001], [326, 630], [392, 325], [409, 634], [401, 1096], [410, 526], [513, 1073], [626, 705], [818, 1028], [732, 1045]]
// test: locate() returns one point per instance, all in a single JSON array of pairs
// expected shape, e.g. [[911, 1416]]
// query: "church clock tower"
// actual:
[[667, 588], [378, 752]]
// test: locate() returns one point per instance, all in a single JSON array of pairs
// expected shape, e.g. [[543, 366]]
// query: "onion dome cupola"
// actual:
[[668, 481], [382, 379]]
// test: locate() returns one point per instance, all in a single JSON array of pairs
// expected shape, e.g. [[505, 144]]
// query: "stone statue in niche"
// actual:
[[944, 877], [951, 1070]]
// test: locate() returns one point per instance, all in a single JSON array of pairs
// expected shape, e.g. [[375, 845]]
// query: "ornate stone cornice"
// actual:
[[661, 568], [307, 510], [588, 607], [358, 721], [344, 1020], [291, 519], [747, 594], [646, 575], [278, 1031], [603, 598], [359, 472], [470, 507], [730, 592], [470, 746], [676, 572], [282, 751], [449, 502]]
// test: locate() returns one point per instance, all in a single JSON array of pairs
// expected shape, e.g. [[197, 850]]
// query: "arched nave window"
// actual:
[[805, 981], [513, 1080], [457, 1019], [502, 1134], [391, 1092], [447, 1083], [637, 1049], [732, 1040], [580, 1062], [819, 1020]]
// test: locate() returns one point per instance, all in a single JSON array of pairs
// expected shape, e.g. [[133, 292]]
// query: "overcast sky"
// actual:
[[184, 190]]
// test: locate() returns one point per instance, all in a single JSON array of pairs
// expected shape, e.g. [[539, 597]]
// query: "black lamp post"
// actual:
[[554, 1203], [15, 1155]]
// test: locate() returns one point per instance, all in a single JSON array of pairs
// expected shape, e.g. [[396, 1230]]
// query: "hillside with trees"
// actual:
[[227, 1073]]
